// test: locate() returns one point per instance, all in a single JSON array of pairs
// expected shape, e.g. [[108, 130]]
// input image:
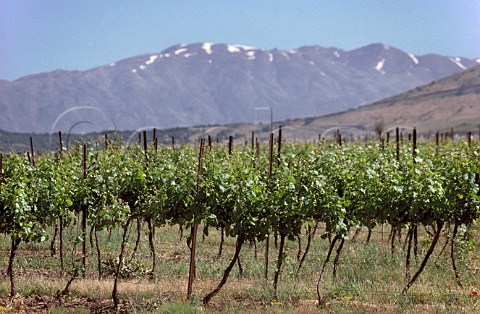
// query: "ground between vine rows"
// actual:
[[369, 279]]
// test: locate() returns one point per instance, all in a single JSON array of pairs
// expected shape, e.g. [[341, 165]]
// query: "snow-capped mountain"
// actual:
[[204, 83]]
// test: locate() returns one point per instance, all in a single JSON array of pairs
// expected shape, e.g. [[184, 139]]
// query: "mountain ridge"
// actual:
[[451, 103], [205, 83]]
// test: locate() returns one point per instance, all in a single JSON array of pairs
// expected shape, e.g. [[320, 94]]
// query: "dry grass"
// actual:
[[369, 279]]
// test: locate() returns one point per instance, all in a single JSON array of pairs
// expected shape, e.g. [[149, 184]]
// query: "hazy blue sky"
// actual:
[[44, 35]]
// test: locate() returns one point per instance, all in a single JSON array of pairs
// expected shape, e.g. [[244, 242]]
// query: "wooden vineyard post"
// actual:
[[270, 163], [267, 240], [414, 142], [32, 154], [84, 214], [397, 142], [279, 143], [193, 243], [230, 142], [209, 143], [145, 142], [60, 144], [253, 141], [173, 143], [397, 155], [257, 148], [469, 138], [52, 243], [437, 141], [388, 138], [84, 211], [410, 231], [151, 228], [60, 148]]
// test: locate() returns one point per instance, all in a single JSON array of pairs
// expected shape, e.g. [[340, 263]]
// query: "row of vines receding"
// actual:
[[247, 193]]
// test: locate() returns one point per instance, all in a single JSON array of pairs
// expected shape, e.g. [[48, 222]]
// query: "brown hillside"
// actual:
[[440, 105]]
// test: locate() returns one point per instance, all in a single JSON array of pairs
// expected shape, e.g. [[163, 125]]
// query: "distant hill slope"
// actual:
[[204, 83], [450, 102]]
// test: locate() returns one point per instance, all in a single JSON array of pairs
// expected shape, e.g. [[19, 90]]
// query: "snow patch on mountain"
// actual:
[[179, 51], [239, 48], [233, 49], [414, 59], [250, 55], [380, 65], [244, 47], [151, 60], [458, 62], [207, 47], [165, 55]]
